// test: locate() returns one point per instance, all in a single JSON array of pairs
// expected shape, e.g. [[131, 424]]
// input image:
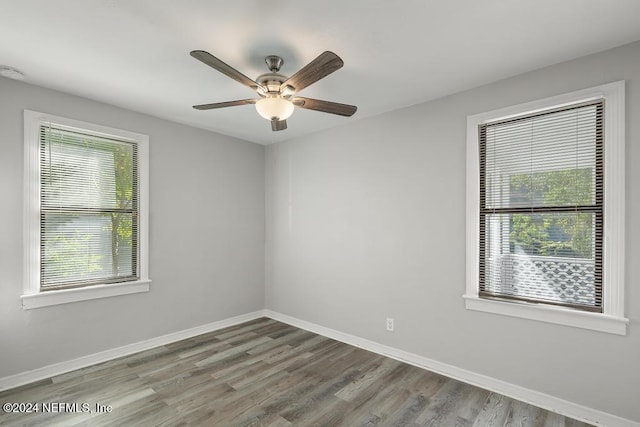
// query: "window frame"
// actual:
[[612, 318], [32, 296]]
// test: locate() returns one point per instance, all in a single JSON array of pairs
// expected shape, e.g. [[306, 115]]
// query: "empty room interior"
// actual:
[[270, 212]]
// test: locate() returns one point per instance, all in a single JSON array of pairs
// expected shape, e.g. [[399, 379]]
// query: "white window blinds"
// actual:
[[88, 208], [541, 207]]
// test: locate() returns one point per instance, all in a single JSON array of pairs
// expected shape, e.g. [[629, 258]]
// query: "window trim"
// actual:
[[32, 296], [612, 318]]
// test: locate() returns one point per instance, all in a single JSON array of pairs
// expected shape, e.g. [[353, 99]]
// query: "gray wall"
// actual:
[[367, 221], [206, 236]]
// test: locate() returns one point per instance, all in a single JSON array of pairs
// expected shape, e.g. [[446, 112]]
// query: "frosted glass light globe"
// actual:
[[274, 108]]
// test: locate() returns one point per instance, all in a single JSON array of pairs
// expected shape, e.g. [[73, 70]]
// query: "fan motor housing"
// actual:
[[271, 81]]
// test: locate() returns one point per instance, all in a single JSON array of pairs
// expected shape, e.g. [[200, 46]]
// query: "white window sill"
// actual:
[[64, 296], [550, 314]]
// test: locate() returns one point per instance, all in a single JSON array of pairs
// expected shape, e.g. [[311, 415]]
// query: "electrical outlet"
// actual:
[[389, 324]]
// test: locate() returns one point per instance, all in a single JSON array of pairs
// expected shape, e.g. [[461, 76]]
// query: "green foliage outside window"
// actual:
[[566, 234], [121, 223]]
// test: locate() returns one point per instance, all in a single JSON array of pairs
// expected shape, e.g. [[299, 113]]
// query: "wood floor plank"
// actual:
[[472, 406], [494, 412], [233, 351], [351, 390], [520, 414], [266, 373]]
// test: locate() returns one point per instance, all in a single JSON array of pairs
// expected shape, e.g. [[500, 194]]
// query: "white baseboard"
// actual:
[[84, 361], [542, 400]]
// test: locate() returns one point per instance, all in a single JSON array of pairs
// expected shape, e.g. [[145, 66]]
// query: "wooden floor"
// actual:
[[266, 373]]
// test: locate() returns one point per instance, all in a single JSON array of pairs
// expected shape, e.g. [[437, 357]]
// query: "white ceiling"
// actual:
[[135, 53]]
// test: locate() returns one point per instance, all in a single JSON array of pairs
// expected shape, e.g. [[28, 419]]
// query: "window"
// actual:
[[86, 203], [541, 207], [545, 210]]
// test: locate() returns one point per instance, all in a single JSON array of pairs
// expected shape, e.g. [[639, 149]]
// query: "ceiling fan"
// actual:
[[277, 92]]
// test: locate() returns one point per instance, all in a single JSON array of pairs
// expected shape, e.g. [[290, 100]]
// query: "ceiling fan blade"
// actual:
[[325, 64], [277, 125], [224, 68], [224, 104], [324, 106]]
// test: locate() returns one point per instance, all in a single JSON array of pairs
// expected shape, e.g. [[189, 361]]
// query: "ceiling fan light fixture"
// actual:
[[276, 91], [274, 108]]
